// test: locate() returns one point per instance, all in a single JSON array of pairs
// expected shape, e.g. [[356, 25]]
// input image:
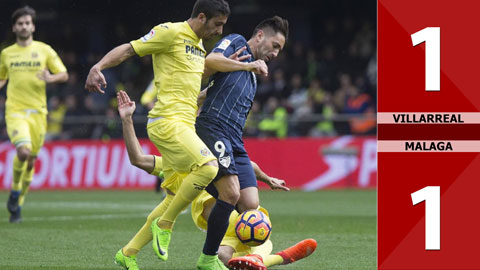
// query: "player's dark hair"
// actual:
[[210, 8], [276, 23], [26, 10]]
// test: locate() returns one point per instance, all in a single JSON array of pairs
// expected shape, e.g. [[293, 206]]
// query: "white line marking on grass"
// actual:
[[86, 217], [92, 205]]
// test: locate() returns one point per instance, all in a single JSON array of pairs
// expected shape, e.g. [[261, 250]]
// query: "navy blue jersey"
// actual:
[[230, 95]]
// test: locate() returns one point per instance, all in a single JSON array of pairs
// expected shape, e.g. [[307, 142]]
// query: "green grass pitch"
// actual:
[[84, 229]]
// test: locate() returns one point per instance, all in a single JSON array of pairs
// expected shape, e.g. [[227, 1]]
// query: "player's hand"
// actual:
[[276, 183], [126, 107], [259, 67], [235, 55], [95, 81], [45, 76]]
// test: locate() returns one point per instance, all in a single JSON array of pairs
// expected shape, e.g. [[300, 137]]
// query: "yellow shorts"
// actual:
[[27, 128], [182, 150], [241, 250]]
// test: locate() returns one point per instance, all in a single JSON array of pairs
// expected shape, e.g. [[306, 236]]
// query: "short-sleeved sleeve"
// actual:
[[54, 63], [229, 44], [156, 41], [3, 67], [158, 166]]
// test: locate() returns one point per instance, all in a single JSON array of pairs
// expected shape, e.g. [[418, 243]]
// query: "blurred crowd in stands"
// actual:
[[324, 83]]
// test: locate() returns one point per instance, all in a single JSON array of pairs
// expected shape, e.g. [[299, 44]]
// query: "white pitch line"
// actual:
[[86, 217], [92, 205]]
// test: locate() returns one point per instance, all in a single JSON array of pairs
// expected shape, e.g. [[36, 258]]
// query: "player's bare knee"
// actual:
[[23, 153], [229, 194], [228, 189], [246, 205], [225, 253], [248, 199]]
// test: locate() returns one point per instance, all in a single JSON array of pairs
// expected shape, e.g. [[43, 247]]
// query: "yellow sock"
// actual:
[[190, 188], [263, 250], [144, 235], [18, 168], [27, 177], [272, 260]]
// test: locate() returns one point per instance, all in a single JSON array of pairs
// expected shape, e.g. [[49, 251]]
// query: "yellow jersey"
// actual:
[[178, 60], [20, 65]]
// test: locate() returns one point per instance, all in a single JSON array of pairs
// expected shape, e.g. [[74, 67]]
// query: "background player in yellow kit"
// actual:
[[178, 60], [27, 65], [201, 209]]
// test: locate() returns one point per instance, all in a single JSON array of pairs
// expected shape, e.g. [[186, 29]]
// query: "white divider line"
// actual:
[[415, 117], [418, 146]]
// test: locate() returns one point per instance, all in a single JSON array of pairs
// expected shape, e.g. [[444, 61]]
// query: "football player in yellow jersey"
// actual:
[[178, 59], [258, 258], [27, 65]]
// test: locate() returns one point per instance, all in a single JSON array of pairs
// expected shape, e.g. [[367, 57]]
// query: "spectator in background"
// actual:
[[346, 87], [279, 83], [297, 62], [300, 106], [56, 114], [297, 93], [326, 109], [78, 121], [277, 125], [316, 91], [251, 125], [112, 128], [312, 65], [264, 89], [359, 104]]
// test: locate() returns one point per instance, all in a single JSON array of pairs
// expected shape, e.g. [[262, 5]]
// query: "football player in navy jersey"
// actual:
[[228, 100]]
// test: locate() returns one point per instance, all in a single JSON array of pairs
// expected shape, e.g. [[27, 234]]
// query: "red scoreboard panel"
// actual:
[[428, 134]]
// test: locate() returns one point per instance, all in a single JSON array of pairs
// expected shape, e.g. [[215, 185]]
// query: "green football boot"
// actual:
[[210, 262], [161, 240], [128, 263]]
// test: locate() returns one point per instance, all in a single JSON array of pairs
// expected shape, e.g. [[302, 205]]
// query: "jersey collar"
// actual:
[[191, 30]]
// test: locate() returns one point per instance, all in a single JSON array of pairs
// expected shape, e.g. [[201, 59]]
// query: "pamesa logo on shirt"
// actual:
[[25, 64], [194, 50]]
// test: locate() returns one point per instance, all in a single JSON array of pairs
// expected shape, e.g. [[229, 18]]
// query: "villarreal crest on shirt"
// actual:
[[178, 60]]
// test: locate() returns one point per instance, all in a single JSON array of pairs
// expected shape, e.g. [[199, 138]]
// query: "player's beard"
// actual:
[[24, 35]]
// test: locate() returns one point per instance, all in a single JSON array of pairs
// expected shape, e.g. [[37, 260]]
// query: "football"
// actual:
[[253, 228]]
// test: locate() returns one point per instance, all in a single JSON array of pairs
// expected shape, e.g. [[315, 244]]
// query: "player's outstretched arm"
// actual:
[[95, 79], [273, 182], [217, 62], [2, 83], [126, 107], [53, 78]]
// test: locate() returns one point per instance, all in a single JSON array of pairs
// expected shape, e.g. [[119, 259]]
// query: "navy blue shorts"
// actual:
[[231, 154]]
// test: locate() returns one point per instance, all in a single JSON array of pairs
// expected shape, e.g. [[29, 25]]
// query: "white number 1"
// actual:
[[431, 37], [431, 196]]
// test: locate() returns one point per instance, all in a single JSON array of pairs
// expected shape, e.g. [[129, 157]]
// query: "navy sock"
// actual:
[[15, 193], [217, 226]]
